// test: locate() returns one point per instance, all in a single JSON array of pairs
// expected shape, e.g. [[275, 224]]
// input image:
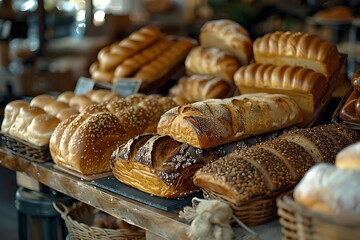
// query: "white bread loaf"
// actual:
[[349, 157], [40, 129], [215, 122], [200, 87], [11, 111], [212, 61], [297, 49], [330, 190], [65, 96], [305, 86], [42, 100], [227, 35]]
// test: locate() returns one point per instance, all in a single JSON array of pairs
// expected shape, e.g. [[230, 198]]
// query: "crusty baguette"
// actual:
[[163, 63], [159, 165], [227, 35], [200, 87], [215, 122], [305, 86], [132, 64], [297, 49], [272, 166], [111, 56], [212, 61]]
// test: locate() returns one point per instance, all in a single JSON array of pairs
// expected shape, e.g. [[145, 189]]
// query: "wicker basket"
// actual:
[[299, 222], [24, 149], [254, 212], [79, 217]]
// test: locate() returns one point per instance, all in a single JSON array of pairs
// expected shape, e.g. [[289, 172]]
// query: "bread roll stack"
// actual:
[[298, 64], [224, 47]]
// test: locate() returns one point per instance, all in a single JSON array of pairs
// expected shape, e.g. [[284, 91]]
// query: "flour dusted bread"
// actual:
[[305, 86], [215, 122], [159, 165], [269, 167], [211, 61], [227, 35], [297, 49]]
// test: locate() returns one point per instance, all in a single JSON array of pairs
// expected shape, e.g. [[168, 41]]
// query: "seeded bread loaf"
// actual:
[[159, 165], [212, 61], [227, 35], [272, 166], [297, 49], [215, 122], [305, 86]]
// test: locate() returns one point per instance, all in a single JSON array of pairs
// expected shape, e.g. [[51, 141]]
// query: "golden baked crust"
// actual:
[[215, 122], [297, 49]]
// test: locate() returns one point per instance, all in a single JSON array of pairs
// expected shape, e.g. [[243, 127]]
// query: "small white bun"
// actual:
[[349, 157]]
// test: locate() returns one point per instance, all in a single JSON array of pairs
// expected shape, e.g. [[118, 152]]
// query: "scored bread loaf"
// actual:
[[164, 62], [159, 165], [111, 56], [77, 142], [131, 65], [227, 35], [212, 61], [269, 167], [200, 87], [305, 86], [297, 49], [215, 122]]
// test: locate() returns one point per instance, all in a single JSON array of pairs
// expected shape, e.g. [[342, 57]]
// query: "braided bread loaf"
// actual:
[[297, 49], [275, 165], [85, 143]]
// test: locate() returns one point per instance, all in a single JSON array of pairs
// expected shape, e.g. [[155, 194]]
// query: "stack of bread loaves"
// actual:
[[146, 54], [224, 47], [350, 111], [265, 170], [84, 143], [298, 64]]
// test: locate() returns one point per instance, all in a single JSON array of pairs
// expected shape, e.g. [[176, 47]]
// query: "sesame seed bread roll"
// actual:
[[227, 35], [111, 56], [200, 87], [305, 86], [11, 111], [131, 65], [212, 61], [297, 49], [163, 63], [40, 129], [214, 122], [41, 101], [271, 166], [159, 165]]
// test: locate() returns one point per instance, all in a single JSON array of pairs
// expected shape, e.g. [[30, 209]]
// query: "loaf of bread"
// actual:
[[330, 190], [212, 61], [305, 86], [42, 100], [227, 35], [100, 75], [272, 166], [297, 49], [164, 62], [336, 13], [200, 87], [132, 64], [215, 122], [111, 56], [11, 111], [84, 143], [65, 96], [159, 165]]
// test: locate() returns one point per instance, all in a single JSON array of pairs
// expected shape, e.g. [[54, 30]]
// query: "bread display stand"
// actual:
[[81, 176], [299, 222], [24, 149]]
